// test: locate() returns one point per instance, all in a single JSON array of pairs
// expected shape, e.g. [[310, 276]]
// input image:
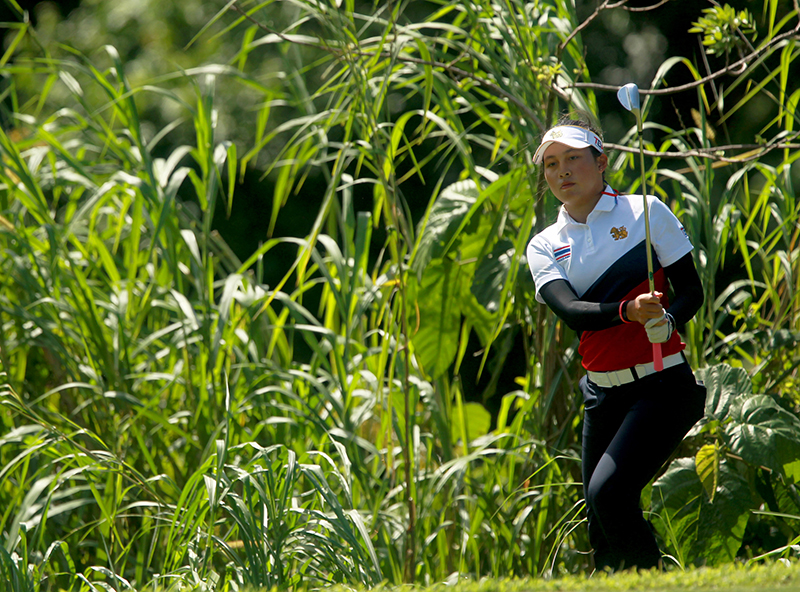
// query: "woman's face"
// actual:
[[575, 177]]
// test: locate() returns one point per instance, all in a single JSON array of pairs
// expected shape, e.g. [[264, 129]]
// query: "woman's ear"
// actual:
[[602, 162]]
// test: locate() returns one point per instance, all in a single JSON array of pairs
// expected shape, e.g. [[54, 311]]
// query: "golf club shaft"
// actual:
[[658, 363]]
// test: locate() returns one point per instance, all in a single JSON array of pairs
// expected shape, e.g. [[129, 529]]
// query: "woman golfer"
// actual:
[[590, 268]]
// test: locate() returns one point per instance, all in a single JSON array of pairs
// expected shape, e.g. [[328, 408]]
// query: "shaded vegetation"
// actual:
[[307, 409]]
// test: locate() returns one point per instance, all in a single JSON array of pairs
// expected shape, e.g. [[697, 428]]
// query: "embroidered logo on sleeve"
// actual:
[[562, 253], [619, 233]]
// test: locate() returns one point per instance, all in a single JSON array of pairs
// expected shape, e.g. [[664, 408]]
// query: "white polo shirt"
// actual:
[[605, 260]]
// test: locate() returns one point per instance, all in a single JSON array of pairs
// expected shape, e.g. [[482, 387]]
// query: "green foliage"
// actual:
[[281, 539], [702, 530], [724, 29], [749, 449], [172, 419]]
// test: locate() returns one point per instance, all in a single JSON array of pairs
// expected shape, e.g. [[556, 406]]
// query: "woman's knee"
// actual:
[[607, 497]]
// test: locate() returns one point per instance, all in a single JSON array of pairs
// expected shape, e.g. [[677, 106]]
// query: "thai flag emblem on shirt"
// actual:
[[562, 253]]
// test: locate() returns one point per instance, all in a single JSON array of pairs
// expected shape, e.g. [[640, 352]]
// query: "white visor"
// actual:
[[570, 135]]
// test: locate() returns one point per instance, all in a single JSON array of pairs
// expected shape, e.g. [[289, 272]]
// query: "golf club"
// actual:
[[628, 96]]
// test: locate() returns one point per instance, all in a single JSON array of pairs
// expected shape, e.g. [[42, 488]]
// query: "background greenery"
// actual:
[[266, 319]]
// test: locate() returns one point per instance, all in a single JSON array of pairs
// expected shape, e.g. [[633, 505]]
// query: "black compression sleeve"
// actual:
[[578, 314], [687, 289]]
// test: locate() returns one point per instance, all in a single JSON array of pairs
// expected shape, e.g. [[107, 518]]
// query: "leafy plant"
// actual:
[[748, 458], [724, 29], [174, 418]]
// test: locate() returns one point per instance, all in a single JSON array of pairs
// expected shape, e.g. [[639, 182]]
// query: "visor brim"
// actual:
[[538, 156]]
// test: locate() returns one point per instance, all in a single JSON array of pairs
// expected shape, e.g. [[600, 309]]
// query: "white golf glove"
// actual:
[[660, 333]]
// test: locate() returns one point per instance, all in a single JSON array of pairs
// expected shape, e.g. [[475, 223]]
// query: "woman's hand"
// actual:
[[645, 307], [660, 330]]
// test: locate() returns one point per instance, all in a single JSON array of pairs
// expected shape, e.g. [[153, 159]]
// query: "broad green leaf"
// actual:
[[792, 471], [439, 317], [707, 462], [491, 274], [446, 216], [785, 495], [704, 532], [764, 434], [724, 384], [471, 251], [480, 320], [474, 416]]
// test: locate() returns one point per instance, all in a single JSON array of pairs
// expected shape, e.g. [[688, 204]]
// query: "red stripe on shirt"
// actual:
[[626, 346]]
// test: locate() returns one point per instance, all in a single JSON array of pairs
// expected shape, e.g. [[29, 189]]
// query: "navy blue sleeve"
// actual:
[[581, 315], [688, 290], [578, 314]]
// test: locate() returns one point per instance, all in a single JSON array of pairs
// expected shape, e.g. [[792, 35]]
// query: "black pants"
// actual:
[[629, 432]]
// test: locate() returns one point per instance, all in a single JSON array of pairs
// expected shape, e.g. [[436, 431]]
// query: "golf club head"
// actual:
[[628, 96]]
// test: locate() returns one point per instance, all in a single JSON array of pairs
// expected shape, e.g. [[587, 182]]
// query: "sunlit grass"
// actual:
[[735, 578]]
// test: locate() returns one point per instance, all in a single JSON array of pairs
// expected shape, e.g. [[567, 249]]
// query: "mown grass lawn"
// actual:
[[731, 578]]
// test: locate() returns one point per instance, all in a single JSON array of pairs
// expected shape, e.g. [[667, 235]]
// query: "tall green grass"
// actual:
[[161, 429]]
